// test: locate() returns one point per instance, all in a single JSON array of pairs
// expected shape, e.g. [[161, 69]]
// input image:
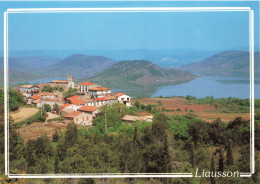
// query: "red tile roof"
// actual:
[[88, 100], [72, 114], [101, 99], [86, 83], [88, 108], [36, 101], [60, 81], [99, 89], [77, 102], [73, 97], [65, 105], [119, 94], [35, 97]]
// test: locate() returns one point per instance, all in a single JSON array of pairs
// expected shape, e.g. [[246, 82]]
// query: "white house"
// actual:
[[29, 90], [98, 92], [100, 101], [85, 86], [124, 99]]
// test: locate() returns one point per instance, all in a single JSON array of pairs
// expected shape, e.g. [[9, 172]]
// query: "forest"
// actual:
[[169, 144]]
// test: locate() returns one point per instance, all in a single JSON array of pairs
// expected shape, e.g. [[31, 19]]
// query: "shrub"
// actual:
[[178, 109], [47, 107], [137, 104]]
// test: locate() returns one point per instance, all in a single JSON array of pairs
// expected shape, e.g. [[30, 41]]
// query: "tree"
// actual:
[[70, 92], [229, 154], [212, 170], [221, 161], [56, 108], [47, 107], [137, 104], [55, 137], [47, 89], [71, 134]]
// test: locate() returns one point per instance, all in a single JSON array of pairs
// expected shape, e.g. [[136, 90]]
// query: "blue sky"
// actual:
[[215, 31]]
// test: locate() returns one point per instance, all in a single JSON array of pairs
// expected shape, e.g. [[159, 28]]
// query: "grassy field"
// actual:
[[181, 106], [23, 113], [35, 130]]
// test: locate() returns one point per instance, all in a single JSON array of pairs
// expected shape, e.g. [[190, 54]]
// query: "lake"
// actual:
[[219, 87]]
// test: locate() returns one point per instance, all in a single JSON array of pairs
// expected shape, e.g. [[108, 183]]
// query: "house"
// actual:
[[124, 99], [111, 98], [29, 90], [65, 84], [66, 109], [49, 101], [85, 86], [32, 98], [79, 118], [130, 118], [100, 101], [89, 109], [89, 101], [68, 100], [98, 92]]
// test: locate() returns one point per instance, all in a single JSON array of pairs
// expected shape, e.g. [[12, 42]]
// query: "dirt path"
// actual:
[[51, 116], [23, 113]]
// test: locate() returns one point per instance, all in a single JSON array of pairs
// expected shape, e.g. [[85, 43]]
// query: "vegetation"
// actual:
[[15, 99], [140, 72], [69, 93], [168, 144]]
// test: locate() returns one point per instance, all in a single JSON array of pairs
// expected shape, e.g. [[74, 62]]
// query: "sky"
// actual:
[[215, 31]]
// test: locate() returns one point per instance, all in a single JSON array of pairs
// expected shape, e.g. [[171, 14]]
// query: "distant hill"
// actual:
[[80, 66], [16, 76], [29, 64], [228, 63], [140, 72]]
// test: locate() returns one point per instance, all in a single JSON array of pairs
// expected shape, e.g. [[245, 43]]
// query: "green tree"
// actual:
[[71, 134], [69, 93], [56, 108], [221, 161], [137, 104], [47, 107], [212, 170], [229, 154]]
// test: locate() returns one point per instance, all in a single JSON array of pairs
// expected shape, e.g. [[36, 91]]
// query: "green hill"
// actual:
[[80, 66], [140, 72], [228, 63]]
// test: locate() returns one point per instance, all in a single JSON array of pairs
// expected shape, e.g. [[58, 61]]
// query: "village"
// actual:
[[81, 108]]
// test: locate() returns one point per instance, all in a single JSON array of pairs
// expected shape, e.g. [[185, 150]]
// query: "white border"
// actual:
[[139, 9]]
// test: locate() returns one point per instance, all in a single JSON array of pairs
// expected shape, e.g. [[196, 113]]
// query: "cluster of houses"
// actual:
[[82, 108]]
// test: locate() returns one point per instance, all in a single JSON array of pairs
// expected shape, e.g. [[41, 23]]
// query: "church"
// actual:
[[65, 84]]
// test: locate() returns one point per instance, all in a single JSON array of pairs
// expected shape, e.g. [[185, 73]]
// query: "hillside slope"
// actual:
[[140, 72], [80, 66], [228, 63]]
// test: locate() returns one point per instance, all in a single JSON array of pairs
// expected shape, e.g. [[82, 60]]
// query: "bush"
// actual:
[[47, 107], [47, 89], [178, 109], [137, 104]]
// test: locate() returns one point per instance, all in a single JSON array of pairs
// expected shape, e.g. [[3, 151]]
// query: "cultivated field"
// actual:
[[23, 113], [206, 112]]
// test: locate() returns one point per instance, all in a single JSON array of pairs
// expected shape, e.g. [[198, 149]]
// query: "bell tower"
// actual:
[[70, 82]]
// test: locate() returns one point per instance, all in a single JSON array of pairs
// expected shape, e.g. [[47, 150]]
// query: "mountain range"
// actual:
[[78, 65], [228, 63]]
